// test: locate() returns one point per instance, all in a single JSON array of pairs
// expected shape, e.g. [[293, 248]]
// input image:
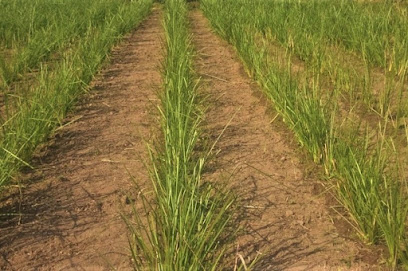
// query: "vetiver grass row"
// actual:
[[187, 216], [370, 189], [370, 33], [366, 95], [376, 30], [54, 92], [32, 32]]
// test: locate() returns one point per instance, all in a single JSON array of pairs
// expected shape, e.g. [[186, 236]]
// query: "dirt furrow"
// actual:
[[282, 216], [70, 211]]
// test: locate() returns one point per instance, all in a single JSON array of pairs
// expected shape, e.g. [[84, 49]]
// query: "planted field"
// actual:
[[210, 138], [32, 107]]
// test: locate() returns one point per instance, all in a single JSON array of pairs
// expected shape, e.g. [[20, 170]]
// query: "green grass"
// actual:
[[375, 30], [321, 32], [32, 32], [187, 216], [35, 115], [359, 161]]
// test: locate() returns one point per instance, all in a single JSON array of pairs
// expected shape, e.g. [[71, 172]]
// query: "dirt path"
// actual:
[[284, 219], [71, 213]]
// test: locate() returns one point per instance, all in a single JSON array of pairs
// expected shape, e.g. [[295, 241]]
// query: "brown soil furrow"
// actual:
[[71, 208], [281, 215]]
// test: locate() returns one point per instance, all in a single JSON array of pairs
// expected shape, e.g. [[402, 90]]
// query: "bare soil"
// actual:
[[67, 215], [284, 218]]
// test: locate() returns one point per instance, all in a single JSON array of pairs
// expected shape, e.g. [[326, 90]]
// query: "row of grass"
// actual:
[[375, 94], [36, 115], [349, 79], [376, 30], [35, 31], [368, 187], [186, 216], [371, 33]]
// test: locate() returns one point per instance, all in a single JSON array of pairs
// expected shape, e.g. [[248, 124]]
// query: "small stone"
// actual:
[[301, 222], [289, 213]]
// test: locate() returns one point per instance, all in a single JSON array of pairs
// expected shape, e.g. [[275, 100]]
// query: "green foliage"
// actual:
[[34, 116], [188, 216], [34, 31], [373, 32], [366, 185]]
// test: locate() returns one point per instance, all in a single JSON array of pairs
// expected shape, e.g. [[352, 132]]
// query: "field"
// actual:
[[203, 135]]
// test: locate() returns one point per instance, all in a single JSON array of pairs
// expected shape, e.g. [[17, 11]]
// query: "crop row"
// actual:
[[41, 106], [32, 32], [361, 162], [362, 48], [187, 216]]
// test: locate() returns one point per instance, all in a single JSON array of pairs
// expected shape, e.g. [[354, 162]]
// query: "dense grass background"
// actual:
[[35, 31]]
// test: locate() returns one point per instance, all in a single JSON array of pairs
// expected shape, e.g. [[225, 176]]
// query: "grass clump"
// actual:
[[187, 217]]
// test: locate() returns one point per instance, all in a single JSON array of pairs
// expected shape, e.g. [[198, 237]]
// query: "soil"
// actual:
[[67, 215], [283, 218]]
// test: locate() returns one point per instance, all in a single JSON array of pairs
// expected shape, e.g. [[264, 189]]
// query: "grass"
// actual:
[[32, 32], [41, 109], [359, 161], [328, 36], [186, 215]]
